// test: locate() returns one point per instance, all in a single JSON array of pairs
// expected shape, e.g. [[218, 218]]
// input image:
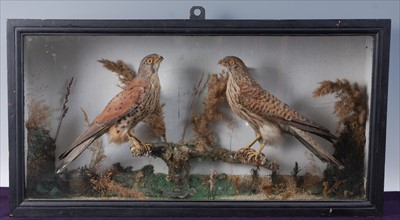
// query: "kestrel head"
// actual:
[[233, 63], [150, 64]]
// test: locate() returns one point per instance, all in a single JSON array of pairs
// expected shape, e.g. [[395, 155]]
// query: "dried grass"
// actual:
[[40, 159], [156, 121], [124, 72], [107, 187], [39, 114], [64, 106], [202, 122], [351, 107]]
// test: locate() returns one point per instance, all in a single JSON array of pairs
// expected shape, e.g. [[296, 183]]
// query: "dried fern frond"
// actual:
[[216, 95], [352, 103], [101, 183], [351, 109], [156, 121], [202, 122], [39, 114], [118, 190], [124, 72], [108, 187]]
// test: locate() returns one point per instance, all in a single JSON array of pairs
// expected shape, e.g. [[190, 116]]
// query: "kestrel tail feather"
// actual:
[[69, 156], [315, 147], [314, 129]]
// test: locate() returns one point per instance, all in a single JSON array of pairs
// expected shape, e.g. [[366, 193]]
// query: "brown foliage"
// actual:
[[107, 187], [124, 72], [202, 121], [101, 183], [310, 182], [351, 107], [38, 114], [79, 181], [40, 152], [236, 184], [156, 121]]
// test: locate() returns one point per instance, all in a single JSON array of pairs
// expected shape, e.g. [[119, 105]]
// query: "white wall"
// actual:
[[214, 10]]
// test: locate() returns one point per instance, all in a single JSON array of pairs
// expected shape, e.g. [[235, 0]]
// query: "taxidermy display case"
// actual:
[[197, 117]]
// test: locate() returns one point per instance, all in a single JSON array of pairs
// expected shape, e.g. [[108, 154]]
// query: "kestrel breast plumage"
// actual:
[[123, 112], [268, 115]]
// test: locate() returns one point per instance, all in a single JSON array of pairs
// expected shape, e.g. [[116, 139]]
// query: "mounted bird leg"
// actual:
[[247, 153], [258, 137], [138, 147]]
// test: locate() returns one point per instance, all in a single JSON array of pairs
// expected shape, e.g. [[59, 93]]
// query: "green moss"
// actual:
[[348, 182], [41, 180]]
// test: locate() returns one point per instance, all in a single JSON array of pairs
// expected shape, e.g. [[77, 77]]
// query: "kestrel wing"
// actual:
[[116, 109], [94, 130], [257, 100], [123, 102], [73, 153]]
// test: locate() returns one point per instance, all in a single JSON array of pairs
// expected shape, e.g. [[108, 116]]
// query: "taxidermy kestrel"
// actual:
[[123, 112], [268, 115]]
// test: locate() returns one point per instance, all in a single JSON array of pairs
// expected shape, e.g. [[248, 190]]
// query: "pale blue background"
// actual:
[[214, 10]]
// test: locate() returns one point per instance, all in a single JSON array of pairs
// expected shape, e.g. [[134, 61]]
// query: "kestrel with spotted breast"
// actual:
[[130, 106], [268, 115]]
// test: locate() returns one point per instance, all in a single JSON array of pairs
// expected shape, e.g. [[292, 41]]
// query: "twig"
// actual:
[[85, 116]]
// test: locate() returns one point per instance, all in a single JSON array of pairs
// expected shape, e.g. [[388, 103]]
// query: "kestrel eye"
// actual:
[[149, 60], [231, 62]]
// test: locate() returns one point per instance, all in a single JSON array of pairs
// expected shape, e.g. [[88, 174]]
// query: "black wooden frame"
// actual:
[[21, 206]]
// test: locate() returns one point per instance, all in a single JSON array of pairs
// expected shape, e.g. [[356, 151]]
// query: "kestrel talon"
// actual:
[[268, 115], [123, 112]]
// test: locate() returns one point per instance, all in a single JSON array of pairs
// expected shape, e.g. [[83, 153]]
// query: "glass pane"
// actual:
[[65, 82]]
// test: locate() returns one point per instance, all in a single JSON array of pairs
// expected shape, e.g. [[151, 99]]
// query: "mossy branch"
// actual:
[[164, 150]]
